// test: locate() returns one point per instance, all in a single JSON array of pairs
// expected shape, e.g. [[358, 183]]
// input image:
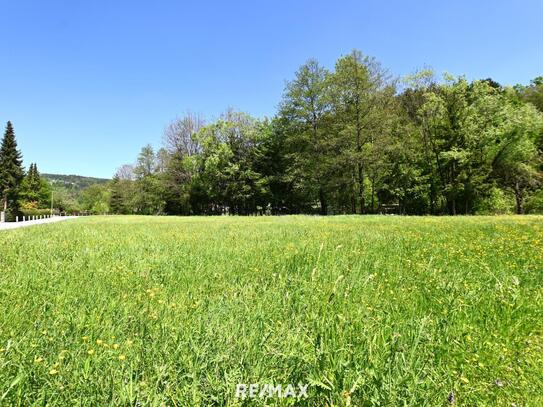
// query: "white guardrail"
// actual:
[[24, 218]]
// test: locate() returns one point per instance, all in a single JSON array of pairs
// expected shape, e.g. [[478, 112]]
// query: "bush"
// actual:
[[534, 204], [497, 203], [10, 215]]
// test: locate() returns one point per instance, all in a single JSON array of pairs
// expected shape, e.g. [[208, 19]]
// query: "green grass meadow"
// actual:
[[369, 311]]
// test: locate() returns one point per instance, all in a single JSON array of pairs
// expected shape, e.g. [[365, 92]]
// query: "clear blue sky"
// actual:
[[88, 83]]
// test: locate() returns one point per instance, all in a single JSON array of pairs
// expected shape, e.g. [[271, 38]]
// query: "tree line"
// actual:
[[351, 140]]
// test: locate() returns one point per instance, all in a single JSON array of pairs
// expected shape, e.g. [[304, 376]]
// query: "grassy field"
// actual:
[[369, 311]]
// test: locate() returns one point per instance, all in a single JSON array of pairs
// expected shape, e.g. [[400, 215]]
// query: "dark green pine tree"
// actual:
[[35, 181], [32, 185], [11, 173], [31, 173], [116, 201]]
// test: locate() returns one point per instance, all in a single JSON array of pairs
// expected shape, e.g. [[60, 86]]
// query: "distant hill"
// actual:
[[74, 182]]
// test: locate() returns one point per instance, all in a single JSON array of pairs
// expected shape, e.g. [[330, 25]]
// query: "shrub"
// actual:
[[497, 203], [534, 204]]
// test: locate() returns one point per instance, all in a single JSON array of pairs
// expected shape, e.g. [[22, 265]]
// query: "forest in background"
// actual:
[[349, 140]]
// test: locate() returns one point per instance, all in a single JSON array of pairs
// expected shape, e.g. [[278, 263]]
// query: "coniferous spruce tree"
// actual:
[[11, 173], [116, 201], [32, 187], [34, 179], [31, 173]]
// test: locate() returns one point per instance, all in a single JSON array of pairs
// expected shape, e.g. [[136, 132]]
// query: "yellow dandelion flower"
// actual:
[[122, 357], [53, 371], [115, 346], [90, 351], [99, 342], [85, 338]]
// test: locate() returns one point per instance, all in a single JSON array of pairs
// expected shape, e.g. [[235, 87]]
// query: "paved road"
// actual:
[[15, 225]]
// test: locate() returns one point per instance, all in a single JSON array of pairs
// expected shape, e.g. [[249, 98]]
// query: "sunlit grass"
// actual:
[[368, 310]]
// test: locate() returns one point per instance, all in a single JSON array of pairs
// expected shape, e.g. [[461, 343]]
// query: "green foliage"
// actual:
[[361, 95], [351, 140], [516, 162], [497, 202], [11, 173], [35, 189], [304, 110], [532, 93], [148, 190], [116, 197], [475, 135], [228, 168], [369, 311], [534, 204], [95, 199], [65, 199], [69, 193]]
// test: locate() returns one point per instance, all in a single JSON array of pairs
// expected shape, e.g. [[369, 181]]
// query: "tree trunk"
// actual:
[[359, 145], [361, 189], [372, 194], [432, 199], [519, 199], [322, 199]]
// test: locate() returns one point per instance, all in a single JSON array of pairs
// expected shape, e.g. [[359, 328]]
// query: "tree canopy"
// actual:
[[351, 140]]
